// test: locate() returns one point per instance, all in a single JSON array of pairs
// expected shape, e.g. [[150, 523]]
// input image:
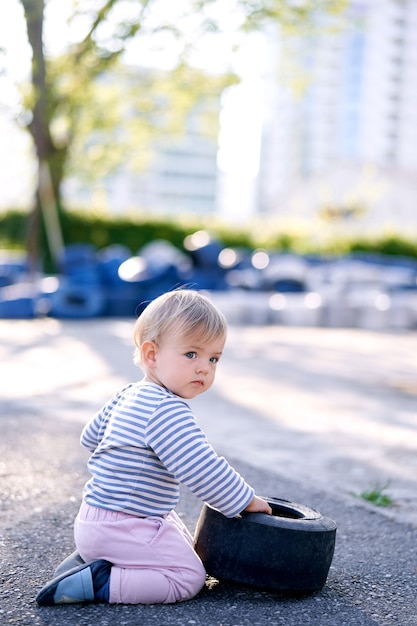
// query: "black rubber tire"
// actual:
[[290, 551]]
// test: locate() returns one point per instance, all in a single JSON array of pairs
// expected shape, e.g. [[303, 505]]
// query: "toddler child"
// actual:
[[144, 443]]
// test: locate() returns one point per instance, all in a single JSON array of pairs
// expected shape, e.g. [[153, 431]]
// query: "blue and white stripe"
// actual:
[[145, 442]]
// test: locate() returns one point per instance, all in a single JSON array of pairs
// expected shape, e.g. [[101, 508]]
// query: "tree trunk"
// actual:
[[48, 186], [34, 226]]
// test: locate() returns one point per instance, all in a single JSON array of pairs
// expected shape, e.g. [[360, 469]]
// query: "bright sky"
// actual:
[[240, 135], [16, 167]]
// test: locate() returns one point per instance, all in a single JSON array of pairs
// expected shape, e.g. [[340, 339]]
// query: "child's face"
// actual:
[[186, 366]]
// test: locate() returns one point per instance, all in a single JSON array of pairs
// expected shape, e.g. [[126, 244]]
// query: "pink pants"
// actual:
[[153, 557]]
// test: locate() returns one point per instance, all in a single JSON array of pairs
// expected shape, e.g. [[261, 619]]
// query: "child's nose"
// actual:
[[202, 366]]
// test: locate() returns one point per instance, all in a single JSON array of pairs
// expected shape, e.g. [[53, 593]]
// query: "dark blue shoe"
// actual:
[[73, 560], [88, 582]]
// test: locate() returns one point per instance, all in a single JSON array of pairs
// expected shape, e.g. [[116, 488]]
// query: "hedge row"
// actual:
[[101, 231]]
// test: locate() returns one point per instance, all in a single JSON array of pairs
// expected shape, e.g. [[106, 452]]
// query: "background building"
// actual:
[[347, 144], [178, 173], [181, 178]]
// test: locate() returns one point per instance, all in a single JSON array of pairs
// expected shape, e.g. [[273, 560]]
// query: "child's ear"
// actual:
[[149, 350]]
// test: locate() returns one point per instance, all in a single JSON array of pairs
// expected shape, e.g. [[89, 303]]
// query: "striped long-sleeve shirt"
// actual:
[[145, 442]]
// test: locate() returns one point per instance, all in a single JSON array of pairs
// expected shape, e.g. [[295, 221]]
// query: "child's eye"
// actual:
[[214, 359], [191, 355]]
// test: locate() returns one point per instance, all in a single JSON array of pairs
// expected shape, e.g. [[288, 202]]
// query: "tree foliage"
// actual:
[[80, 119]]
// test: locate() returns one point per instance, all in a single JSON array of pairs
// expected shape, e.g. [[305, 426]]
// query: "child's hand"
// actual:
[[257, 505]]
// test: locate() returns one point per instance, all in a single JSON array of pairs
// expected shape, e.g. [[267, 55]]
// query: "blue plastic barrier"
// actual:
[[76, 300], [18, 301]]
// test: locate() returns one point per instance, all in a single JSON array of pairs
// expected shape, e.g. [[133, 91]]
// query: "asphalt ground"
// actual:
[[309, 415]]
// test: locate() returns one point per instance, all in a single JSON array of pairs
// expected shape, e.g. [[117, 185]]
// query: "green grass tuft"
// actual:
[[377, 495]]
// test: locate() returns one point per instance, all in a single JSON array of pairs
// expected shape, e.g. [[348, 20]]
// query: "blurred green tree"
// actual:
[[68, 97]]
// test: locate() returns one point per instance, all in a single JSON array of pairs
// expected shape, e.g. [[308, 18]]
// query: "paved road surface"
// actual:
[[310, 415]]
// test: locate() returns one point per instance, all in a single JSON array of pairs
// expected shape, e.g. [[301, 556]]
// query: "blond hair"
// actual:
[[178, 313]]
